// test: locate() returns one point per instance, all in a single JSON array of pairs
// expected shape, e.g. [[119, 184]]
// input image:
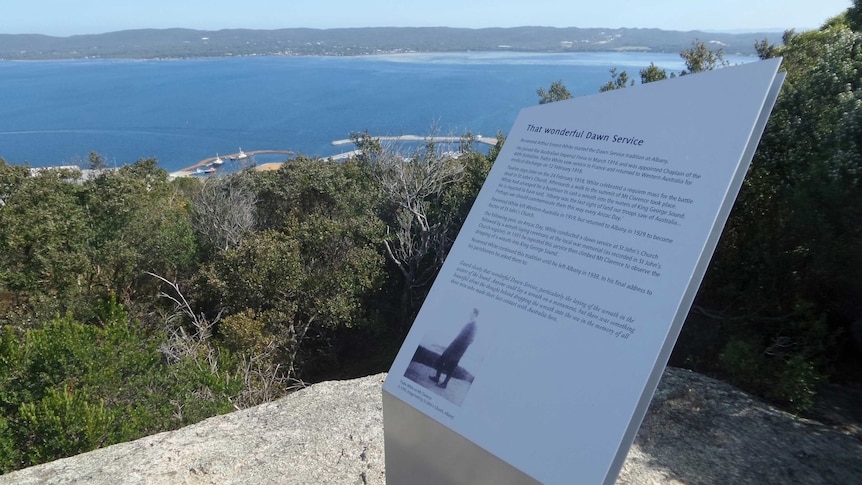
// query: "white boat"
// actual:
[[242, 155], [218, 161]]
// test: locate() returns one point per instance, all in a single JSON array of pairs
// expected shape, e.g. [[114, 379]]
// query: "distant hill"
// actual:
[[184, 43]]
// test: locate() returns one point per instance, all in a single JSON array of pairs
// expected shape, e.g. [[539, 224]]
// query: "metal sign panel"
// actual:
[[541, 343]]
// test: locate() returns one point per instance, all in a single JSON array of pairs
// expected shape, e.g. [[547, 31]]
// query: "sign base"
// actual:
[[421, 451]]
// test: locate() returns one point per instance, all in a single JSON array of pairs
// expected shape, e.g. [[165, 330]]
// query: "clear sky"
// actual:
[[71, 17]]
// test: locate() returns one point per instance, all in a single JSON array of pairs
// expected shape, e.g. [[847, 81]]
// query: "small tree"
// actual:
[[289, 287], [97, 161], [700, 58], [618, 81], [653, 73], [44, 234], [139, 224], [557, 92]]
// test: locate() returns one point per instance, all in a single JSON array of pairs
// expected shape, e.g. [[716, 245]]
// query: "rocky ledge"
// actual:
[[698, 431]]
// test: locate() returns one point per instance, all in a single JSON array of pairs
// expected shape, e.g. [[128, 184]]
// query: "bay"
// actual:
[[182, 111]]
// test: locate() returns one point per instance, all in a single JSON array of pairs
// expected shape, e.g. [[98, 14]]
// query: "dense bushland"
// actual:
[[133, 304]]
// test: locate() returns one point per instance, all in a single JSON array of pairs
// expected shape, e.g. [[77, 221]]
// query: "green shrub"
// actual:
[[787, 381], [9, 453], [68, 387], [65, 422]]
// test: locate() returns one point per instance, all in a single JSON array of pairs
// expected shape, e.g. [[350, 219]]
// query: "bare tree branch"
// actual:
[[414, 183], [224, 211]]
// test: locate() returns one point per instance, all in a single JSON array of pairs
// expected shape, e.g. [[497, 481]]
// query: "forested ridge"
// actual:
[[183, 43], [131, 303]]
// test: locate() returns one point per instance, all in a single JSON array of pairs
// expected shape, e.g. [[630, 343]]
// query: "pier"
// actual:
[[234, 157], [342, 156]]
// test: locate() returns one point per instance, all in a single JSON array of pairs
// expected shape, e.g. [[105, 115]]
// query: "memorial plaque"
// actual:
[[541, 343]]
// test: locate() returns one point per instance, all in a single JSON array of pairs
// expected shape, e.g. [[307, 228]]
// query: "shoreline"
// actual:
[[447, 139]]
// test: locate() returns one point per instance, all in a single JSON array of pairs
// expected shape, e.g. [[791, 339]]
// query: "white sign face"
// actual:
[[548, 327]]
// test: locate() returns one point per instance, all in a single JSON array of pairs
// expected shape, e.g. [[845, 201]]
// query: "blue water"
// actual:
[[182, 111]]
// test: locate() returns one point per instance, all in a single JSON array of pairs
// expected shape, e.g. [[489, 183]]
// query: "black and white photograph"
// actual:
[[446, 359]]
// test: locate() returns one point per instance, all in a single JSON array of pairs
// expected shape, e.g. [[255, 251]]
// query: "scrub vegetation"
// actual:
[[132, 304]]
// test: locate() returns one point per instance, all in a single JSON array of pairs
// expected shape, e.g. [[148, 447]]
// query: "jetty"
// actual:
[[241, 155]]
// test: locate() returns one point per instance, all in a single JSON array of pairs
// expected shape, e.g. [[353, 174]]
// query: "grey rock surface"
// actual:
[[698, 431]]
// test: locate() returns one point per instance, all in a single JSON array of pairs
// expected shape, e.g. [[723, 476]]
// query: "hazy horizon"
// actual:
[[730, 31], [61, 18]]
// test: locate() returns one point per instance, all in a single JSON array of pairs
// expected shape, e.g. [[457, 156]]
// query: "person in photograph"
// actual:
[[448, 360]]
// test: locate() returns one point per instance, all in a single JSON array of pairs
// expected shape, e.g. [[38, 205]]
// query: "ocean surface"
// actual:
[[183, 111]]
